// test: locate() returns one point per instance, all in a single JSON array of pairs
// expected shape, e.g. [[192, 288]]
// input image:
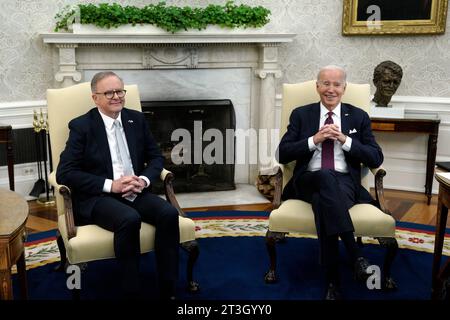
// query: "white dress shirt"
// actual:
[[116, 164], [340, 164]]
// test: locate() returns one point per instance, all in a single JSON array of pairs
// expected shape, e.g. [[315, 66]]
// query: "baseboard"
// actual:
[[25, 176]]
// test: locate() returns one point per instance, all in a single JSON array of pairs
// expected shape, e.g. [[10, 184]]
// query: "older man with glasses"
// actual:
[[109, 162], [329, 140]]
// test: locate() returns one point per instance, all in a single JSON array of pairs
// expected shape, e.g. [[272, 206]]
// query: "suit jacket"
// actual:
[[86, 162], [304, 123]]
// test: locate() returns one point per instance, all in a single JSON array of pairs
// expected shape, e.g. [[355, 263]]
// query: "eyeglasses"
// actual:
[[110, 94], [328, 84]]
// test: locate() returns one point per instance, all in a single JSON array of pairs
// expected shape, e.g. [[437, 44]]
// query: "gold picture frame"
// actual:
[[394, 17]]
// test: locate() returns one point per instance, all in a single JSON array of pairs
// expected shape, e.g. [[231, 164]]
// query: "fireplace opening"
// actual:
[[194, 121]]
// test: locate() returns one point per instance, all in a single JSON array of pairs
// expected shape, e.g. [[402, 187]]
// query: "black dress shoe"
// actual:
[[361, 269], [333, 292]]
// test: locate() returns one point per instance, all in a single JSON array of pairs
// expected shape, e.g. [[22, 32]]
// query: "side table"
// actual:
[[441, 222], [13, 217], [428, 126], [6, 138]]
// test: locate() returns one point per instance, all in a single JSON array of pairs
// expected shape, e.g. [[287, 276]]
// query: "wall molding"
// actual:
[[19, 114], [25, 175], [422, 100]]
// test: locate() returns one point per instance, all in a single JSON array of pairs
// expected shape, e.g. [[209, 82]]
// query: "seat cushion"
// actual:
[[95, 243], [297, 216]]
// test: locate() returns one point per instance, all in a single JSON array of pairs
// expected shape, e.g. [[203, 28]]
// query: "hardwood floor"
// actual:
[[405, 206], [412, 207], [41, 217]]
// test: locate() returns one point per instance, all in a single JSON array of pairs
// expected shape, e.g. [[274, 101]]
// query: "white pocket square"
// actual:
[[352, 131], [130, 121]]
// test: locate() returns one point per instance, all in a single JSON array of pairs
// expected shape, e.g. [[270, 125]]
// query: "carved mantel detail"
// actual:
[[67, 73], [170, 57], [263, 73]]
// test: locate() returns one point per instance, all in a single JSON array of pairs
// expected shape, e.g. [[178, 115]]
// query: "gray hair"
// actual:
[[100, 76], [332, 67]]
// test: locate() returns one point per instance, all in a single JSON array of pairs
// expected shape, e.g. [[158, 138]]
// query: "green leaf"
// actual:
[[170, 18]]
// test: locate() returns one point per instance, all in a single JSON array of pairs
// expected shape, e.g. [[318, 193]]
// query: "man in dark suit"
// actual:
[[329, 140], [109, 162]]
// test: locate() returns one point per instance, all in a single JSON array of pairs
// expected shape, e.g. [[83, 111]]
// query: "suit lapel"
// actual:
[[99, 133], [130, 132], [315, 119], [345, 119]]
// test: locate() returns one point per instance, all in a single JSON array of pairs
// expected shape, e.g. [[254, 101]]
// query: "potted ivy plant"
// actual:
[[172, 19]]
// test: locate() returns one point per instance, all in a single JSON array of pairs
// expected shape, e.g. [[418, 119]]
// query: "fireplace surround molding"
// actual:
[[78, 54]]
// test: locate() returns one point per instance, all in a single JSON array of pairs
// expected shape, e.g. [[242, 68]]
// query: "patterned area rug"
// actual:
[[42, 249]]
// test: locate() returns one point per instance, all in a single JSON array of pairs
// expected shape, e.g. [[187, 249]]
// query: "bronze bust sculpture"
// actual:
[[386, 77]]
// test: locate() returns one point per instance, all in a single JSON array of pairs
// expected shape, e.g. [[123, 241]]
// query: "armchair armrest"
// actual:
[[167, 177], [52, 180], [379, 174], [164, 174], [64, 191]]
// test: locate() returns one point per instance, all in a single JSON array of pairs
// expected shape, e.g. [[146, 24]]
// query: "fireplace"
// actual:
[[196, 138]]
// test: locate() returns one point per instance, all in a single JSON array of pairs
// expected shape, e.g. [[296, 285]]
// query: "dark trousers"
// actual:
[[331, 194], [124, 219]]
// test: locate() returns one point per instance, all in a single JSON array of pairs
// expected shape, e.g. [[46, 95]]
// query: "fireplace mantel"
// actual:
[[71, 47], [168, 38], [78, 54]]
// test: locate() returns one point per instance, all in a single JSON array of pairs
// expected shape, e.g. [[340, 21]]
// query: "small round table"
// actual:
[[13, 217]]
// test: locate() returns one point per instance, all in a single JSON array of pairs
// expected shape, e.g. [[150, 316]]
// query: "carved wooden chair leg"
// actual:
[[62, 252], [280, 237], [392, 247], [192, 248], [271, 239]]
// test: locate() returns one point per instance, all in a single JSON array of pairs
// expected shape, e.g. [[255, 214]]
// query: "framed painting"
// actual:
[[384, 17]]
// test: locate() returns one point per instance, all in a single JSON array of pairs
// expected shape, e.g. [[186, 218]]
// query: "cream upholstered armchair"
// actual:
[[81, 244], [297, 216]]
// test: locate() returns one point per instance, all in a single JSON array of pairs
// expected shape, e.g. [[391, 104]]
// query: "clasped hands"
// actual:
[[329, 131], [128, 185]]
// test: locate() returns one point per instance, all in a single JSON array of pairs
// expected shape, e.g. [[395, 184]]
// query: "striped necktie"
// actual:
[[328, 148], [122, 154]]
